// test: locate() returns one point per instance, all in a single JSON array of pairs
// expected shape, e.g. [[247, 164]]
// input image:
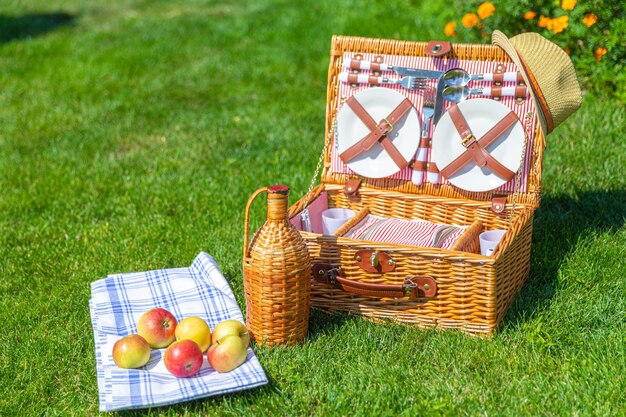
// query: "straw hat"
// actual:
[[547, 71]]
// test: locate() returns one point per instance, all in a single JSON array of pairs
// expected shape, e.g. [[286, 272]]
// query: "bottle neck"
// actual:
[[277, 206]]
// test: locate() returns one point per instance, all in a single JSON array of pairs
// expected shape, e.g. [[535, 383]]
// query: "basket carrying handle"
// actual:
[[422, 286], [246, 222]]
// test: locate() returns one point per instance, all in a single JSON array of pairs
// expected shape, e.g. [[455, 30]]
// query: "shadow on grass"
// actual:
[[559, 224], [32, 25], [324, 323]]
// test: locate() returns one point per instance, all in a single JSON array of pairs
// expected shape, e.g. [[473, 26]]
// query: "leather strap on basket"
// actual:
[[351, 189], [413, 287], [437, 48], [498, 204], [476, 147], [378, 132]]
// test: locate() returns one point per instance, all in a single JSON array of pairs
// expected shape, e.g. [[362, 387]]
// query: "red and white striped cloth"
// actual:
[[406, 232], [416, 97]]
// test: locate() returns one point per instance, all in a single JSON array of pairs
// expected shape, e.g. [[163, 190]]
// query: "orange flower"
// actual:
[[530, 15], [590, 19], [568, 4], [600, 52], [545, 22], [469, 20], [559, 24], [486, 9], [448, 29], [567, 51]]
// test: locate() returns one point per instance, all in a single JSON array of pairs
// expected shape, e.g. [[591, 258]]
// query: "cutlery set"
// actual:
[[417, 79]]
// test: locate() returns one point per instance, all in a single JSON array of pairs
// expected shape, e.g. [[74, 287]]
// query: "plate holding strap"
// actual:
[[378, 132], [476, 147]]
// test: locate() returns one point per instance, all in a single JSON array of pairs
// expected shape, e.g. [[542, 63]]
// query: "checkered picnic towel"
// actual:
[[116, 304]]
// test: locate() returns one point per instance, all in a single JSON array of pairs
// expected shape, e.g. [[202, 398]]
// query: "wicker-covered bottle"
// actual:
[[277, 274]]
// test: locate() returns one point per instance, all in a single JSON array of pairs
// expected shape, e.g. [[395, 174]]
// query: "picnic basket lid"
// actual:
[[475, 52]]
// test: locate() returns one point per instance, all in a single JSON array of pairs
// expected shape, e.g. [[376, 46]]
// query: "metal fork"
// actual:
[[408, 82]]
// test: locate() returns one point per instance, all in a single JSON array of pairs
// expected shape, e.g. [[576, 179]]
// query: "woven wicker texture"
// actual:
[[277, 276], [474, 291]]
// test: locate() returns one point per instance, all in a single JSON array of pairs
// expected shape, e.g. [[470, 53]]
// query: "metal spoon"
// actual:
[[460, 77], [456, 94]]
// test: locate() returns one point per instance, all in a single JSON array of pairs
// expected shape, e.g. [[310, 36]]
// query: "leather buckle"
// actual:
[[374, 261], [420, 287], [389, 124], [498, 204], [351, 189], [325, 273], [468, 140], [408, 286]]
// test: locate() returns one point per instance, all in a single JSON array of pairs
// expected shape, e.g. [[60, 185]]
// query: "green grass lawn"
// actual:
[[132, 132]]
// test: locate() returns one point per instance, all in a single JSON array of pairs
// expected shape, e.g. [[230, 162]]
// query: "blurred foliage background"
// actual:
[[592, 32]]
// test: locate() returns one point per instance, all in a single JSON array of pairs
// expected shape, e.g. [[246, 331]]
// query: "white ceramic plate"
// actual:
[[378, 102], [481, 115]]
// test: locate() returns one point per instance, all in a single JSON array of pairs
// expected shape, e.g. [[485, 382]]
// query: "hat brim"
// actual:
[[500, 39]]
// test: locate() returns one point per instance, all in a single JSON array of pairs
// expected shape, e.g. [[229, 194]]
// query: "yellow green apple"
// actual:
[[227, 353], [231, 328], [196, 329], [131, 351]]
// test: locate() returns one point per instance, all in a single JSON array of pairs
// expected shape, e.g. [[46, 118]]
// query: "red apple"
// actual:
[[158, 327], [231, 328], [183, 358], [227, 353], [131, 351]]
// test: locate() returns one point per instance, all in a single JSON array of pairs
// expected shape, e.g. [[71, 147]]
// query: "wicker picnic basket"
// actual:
[[429, 287]]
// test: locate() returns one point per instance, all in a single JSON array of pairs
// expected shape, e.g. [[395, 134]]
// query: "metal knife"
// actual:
[[416, 72], [439, 107], [379, 66]]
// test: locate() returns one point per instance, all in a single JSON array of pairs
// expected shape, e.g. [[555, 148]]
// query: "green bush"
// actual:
[[591, 32]]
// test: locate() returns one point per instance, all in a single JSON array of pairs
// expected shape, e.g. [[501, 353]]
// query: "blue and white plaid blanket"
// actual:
[[116, 304]]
